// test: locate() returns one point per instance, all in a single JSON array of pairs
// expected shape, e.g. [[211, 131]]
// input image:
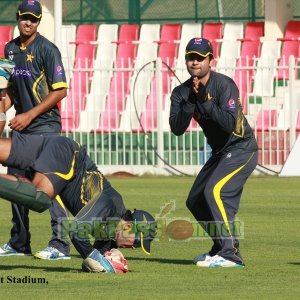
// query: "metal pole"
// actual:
[[57, 22], [159, 90]]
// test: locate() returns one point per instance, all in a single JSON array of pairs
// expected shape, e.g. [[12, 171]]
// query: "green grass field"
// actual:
[[270, 209]]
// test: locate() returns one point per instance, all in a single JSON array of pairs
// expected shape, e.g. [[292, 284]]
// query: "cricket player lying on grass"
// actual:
[[63, 169]]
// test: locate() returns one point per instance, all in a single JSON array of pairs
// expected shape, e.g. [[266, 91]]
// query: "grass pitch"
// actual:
[[269, 210]]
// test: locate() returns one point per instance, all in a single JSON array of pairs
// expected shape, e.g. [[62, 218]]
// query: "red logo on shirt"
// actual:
[[231, 104]]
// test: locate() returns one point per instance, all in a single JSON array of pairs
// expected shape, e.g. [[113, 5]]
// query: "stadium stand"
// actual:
[[68, 35], [170, 33], [119, 88], [143, 72], [292, 31], [230, 52], [6, 32], [288, 48], [254, 31], [266, 69], [230, 48], [100, 81], [80, 79], [233, 31], [168, 46], [250, 50], [213, 32]]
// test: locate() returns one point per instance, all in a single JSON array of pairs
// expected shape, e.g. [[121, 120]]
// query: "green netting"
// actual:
[[143, 11]]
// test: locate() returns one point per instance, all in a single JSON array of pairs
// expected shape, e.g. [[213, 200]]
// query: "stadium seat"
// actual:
[[68, 35], [213, 32], [167, 53], [254, 31], [288, 48], [120, 83], [250, 50], [128, 33], [140, 83], [6, 32], [170, 33], [292, 31], [79, 83], [100, 81], [233, 31], [266, 69], [230, 52]]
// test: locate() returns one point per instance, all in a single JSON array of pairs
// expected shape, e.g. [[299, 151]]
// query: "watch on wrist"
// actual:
[[2, 116]]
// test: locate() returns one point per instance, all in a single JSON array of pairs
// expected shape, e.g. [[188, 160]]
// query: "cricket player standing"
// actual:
[[38, 84], [212, 99]]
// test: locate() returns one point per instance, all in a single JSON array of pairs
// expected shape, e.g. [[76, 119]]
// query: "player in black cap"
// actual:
[[212, 99], [63, 169], [38, 85]]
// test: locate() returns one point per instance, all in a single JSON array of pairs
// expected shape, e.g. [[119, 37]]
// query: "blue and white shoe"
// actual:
[[218, 261], [51, 253], [202, 257], [7, 250], [97, 263]]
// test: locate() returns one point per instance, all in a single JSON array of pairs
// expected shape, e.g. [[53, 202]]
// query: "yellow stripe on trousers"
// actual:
[[217, 193], [58, 199]]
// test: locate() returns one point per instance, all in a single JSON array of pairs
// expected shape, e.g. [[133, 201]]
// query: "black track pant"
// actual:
[[215, 197]]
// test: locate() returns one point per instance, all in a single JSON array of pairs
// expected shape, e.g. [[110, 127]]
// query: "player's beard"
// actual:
[[199, 72]]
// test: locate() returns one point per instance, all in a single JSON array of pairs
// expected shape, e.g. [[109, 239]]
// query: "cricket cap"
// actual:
[[144, 228], [30, 7], [199, 46]]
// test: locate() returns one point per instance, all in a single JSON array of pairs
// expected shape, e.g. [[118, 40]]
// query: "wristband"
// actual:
[[2, 116]]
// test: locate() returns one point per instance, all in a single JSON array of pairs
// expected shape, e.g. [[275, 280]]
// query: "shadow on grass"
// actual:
[[294, 263], [163, 260], [44, 268]]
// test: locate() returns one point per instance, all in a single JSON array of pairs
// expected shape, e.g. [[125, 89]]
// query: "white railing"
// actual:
[[139, 140]]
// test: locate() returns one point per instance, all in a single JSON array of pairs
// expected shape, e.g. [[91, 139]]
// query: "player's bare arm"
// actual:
[[21, 121]]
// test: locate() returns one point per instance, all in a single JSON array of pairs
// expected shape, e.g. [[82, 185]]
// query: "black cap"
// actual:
[[30, 7], [144, 228], [199, 46]]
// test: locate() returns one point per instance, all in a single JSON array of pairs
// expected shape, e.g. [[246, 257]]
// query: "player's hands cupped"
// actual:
[[20, 122]]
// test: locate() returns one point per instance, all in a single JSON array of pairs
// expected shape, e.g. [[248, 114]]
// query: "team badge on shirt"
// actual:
[[30, 57], [231, 104], [59, 70]]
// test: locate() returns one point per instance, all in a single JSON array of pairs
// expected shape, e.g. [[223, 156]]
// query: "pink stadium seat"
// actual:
[[79, 83], [128, 33], [119, 88], [213, 32], [292, 31], [254, 30], [266, 119], [244, 72], [167, 52], [6, 32], [288, 48], [170, 33], [86, 33]]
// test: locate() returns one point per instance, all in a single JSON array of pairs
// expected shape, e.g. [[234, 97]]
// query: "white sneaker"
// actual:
[[7, 250], [218, 261], [51, 253], [202, 257]]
